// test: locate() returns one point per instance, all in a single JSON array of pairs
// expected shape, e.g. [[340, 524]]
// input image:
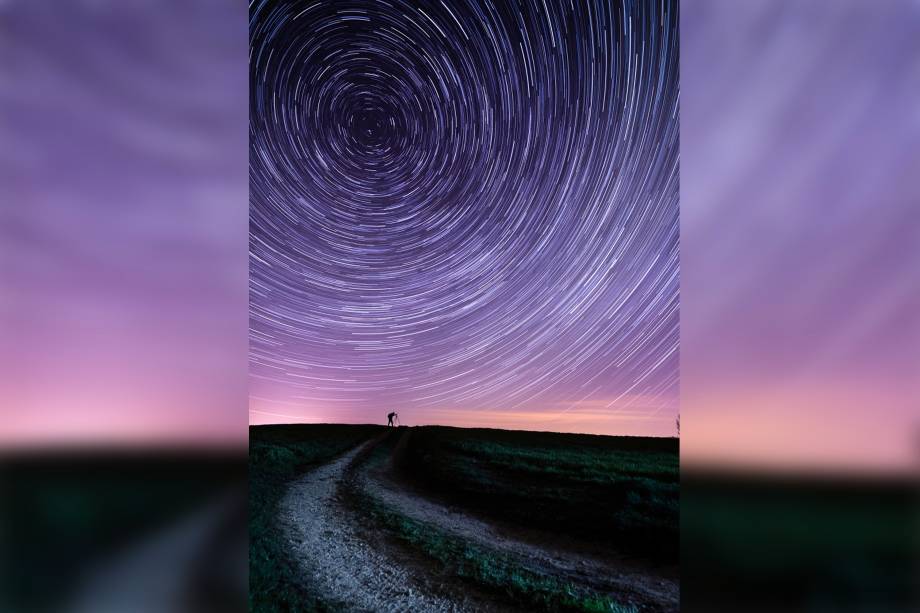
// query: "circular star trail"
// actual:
[[464, 205]]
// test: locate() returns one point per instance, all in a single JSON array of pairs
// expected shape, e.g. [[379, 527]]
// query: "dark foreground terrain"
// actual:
[[123, 530], [447, 519], [799, 542]]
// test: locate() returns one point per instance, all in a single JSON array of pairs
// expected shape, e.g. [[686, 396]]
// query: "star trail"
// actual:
[[465, 209]]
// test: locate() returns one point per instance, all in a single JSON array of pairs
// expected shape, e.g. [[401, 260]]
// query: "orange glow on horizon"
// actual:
[[582, 420]]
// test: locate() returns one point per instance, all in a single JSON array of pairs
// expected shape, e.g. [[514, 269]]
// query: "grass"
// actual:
[[488, 569], [623, 490], [491, 570], [277, 454], [586, 485]]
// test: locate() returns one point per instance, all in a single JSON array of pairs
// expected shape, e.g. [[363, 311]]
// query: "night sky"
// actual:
[[467, 212]]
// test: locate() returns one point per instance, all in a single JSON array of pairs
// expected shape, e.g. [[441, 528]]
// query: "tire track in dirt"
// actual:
[[343, 568]]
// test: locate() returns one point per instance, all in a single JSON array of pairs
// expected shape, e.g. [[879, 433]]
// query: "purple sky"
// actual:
[[467, 214]]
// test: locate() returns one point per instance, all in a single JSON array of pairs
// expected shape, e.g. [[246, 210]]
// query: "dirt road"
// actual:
[[339, 563], [360, 572]]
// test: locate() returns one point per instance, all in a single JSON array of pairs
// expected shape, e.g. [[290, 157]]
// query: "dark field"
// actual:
[[624, 491], [563, 496], [761, 542], [70, 516]]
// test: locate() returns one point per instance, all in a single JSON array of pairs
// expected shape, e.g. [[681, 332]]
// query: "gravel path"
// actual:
[[341, 566]]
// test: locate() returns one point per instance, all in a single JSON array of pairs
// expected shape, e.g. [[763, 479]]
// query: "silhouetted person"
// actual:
[[390, 417]]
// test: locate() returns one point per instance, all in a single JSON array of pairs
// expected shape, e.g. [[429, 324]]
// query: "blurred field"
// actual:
[[73, 521], [768, 542]]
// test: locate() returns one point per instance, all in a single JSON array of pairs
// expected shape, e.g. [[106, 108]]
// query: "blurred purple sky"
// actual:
[[800, 230], [123, 200]]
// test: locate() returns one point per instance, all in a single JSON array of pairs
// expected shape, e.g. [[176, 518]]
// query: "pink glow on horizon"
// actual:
[[857, 426]]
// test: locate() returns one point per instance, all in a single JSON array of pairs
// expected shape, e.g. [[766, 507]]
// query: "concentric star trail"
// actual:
[[464, 205]]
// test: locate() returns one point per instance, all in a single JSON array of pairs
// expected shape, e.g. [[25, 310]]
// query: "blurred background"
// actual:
[[800, 305], [123, 305]]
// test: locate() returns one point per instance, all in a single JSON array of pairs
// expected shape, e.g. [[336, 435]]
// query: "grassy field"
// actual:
[[277, 454], [487, 569], [623, 490], [600, 489]]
